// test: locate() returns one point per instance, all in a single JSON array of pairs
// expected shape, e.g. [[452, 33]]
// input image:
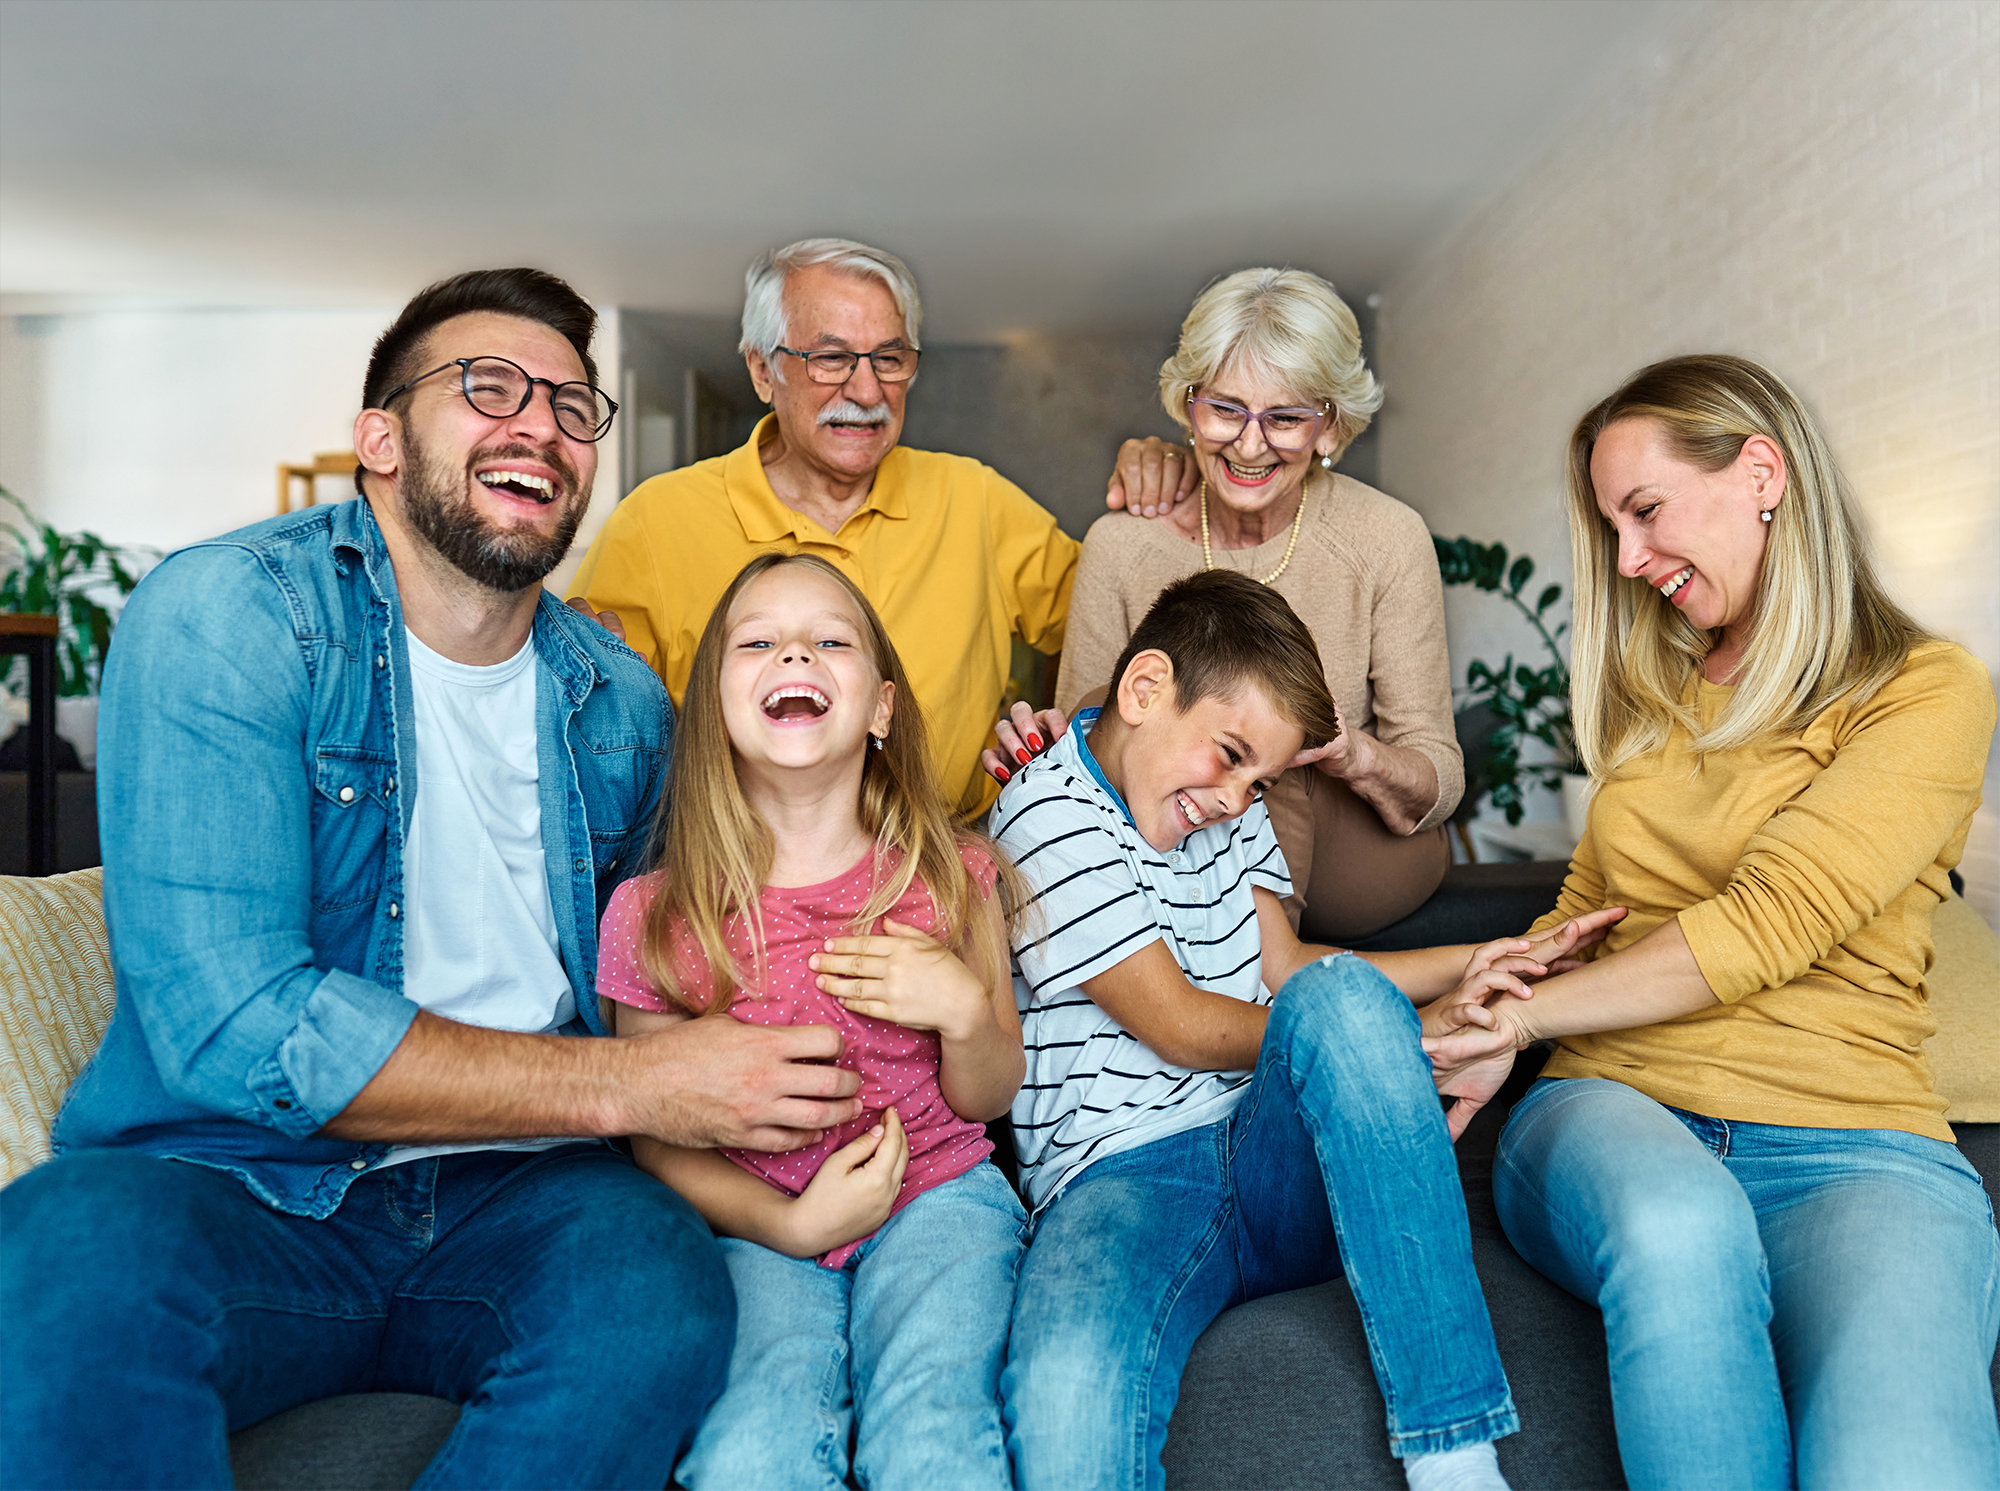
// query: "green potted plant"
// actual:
[[79, 579], [1526, 702]]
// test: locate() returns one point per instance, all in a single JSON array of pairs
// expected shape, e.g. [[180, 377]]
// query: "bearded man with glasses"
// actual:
[[364, 792], [958, 560]]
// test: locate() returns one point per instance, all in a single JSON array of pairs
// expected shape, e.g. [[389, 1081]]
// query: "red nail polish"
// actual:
[[1034, 742], [1004, 774], [1025, 758]]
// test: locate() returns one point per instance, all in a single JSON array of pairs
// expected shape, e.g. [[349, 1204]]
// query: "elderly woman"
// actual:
[[1735, 1150], [1270, 385]]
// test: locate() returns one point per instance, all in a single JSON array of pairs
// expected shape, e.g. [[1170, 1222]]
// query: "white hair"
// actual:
[[1290, 323], [764, 329]]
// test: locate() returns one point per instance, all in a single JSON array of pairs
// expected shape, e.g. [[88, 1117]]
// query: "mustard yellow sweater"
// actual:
[[1804, 871]]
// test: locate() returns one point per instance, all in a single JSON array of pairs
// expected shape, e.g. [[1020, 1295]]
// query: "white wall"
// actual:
[[162, 427], [166, 426], [1813, 184]]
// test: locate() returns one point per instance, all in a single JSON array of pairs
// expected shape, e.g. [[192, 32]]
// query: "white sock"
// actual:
[[1471, 1467]]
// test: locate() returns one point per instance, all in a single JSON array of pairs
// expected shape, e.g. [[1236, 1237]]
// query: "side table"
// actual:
[[36, 637]]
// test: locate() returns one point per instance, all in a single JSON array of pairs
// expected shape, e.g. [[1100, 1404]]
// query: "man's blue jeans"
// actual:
[[577, 1308], [1782, 1306], [1336, 1157], [903, 1344]]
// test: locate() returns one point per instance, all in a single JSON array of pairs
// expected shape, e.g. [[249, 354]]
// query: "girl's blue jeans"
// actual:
[[1336, 1158], [576, 1307], [1782, 1306], [900, 1349]]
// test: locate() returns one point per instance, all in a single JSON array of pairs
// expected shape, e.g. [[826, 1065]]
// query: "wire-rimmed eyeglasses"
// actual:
[[1284, 429], [891, 365], [500, 389]]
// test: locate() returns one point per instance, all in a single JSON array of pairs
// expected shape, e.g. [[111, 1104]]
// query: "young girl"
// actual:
[[810, 874]]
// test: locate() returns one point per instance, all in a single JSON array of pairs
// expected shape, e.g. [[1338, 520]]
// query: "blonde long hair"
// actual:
[[714, 851], [1822, 627]]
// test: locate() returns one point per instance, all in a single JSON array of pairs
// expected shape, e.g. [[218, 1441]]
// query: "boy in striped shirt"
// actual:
[[1214, 1111]]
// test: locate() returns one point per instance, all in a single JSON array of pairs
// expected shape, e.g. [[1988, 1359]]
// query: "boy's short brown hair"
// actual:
[[1222, 629]]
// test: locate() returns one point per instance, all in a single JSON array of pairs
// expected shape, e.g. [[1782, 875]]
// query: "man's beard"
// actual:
[[440, 507]]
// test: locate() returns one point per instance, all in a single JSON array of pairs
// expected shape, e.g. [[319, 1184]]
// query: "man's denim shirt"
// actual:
[[255, 787]]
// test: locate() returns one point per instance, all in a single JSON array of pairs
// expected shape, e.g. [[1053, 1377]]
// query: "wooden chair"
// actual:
[[326, 463]]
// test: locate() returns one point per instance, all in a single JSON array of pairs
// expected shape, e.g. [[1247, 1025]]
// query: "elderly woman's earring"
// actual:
[[1326, 463]]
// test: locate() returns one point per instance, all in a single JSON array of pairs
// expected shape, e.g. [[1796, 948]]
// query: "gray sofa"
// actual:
[[1278, 1393]]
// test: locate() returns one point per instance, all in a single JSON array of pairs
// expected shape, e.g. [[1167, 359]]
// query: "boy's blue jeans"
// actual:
[[576, 1307], [1783, 1306], [1337, 1157], [901, 1346]]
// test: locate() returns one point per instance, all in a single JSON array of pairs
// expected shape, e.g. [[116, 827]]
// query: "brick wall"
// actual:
[[1814, 184]]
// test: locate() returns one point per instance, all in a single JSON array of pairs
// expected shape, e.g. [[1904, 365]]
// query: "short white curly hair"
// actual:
[[1288, 323]]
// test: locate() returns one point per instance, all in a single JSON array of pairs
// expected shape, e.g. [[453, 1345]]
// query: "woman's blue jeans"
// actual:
[[1783, 1306], [902, 1348], [576, 1307], [1336, 1157]]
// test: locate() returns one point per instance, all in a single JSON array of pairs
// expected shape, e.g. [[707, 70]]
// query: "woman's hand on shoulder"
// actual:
[[1024, 733], [1150, 477], [906, 977], [853, 1191]]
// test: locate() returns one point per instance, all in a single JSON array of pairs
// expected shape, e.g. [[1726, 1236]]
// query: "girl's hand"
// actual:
[[853, 1190], [906, 977]]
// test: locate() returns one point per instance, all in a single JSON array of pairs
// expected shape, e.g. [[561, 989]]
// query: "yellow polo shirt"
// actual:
[[956, 558]]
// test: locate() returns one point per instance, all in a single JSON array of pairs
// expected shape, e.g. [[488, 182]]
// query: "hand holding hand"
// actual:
[[1484, 982], [1150, 477], [854, 1189], [1482, 1033], [907, 977], [1024, 734]]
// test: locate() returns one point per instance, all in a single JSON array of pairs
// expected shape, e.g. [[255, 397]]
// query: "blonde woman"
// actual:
[[1735, 1150], [1269, 383]]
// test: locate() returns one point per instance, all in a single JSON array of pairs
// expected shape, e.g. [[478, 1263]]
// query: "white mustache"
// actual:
[[847, 412]]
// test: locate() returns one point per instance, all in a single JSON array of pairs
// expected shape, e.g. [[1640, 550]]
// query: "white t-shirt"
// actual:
[[479, 931], [1101, 894]]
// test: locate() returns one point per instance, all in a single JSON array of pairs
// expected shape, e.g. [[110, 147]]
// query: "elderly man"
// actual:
[[365, 791], [956, 558]]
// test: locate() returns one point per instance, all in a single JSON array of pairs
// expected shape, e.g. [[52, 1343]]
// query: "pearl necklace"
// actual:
[[1298, 518]]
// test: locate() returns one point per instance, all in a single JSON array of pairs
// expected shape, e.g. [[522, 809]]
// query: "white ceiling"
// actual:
[[1041, 163]]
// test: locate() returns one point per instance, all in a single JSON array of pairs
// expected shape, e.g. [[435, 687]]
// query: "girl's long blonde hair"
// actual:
[[1822, 628], [714, 850]]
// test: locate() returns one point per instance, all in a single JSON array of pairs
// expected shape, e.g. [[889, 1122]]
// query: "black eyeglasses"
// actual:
[[896, 365], [500, 389], [1220, 421]]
